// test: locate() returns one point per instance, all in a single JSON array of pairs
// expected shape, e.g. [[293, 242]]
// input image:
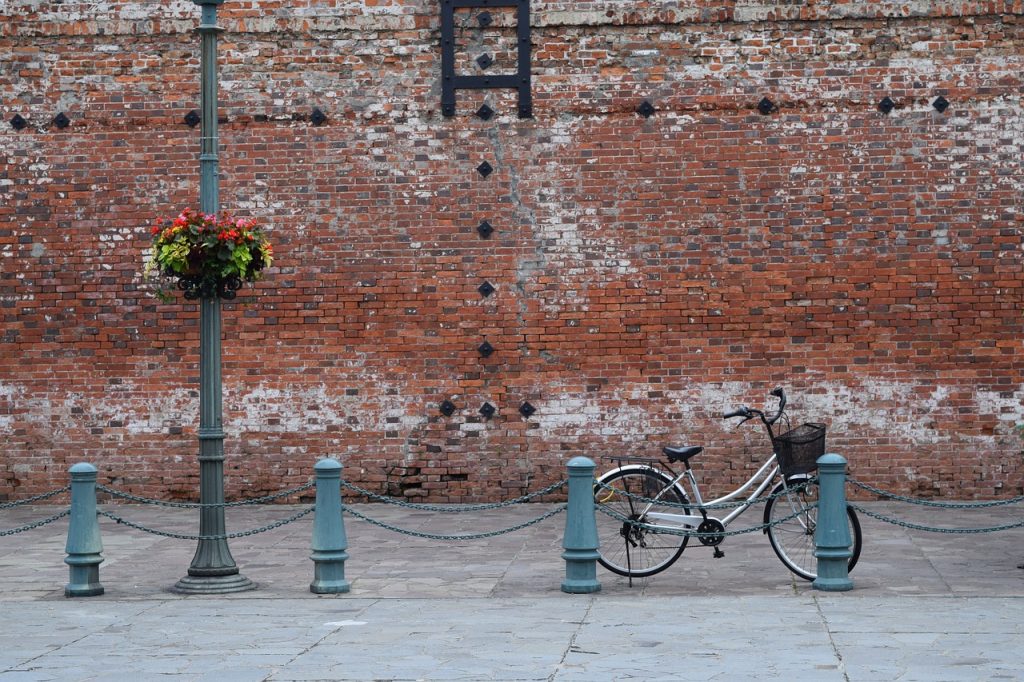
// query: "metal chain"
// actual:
[[691, 533], [453, 509], [932, 503], [227, 536], [37, 498], [693, 505], [930, 529], [200, 505], [37, 524], [473, 536]]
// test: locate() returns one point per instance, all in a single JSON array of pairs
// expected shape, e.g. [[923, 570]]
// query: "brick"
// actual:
[[650, 273]]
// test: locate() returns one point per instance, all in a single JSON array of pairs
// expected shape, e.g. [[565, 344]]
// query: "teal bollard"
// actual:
[[580, 541], [84, 544], [329, 540], [832, 534]]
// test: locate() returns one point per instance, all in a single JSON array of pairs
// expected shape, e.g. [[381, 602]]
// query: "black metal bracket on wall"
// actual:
[[450, 82]]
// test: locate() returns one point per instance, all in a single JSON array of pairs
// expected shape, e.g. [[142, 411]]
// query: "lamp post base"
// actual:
[[214, 584]]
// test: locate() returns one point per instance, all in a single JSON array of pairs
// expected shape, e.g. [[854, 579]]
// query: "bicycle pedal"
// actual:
[[719, 553]]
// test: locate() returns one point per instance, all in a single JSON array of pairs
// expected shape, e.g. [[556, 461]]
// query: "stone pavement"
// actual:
[[925, 606]]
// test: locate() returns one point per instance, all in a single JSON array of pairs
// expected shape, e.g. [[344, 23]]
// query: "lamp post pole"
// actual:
[[213, 570]]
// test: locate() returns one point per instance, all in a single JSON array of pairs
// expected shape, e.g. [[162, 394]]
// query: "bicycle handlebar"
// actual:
[[748, 413], [781, 395], [741, 412]]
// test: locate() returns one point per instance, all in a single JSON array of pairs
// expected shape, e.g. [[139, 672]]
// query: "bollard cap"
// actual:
[[327, 464], [83, 468], [831, 459], [581, 463]]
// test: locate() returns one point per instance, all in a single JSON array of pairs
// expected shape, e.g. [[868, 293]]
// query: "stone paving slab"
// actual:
[[809, 636], [958, 638], [925, 606], [894, 561]]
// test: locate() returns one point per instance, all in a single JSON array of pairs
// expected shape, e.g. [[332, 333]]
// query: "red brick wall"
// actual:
[[650, 272]]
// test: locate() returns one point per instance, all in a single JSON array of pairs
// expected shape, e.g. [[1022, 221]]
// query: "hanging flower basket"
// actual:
[[208, 256]]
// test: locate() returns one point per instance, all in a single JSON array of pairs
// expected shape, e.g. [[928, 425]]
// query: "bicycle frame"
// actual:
[[665, 521], [646, 498]]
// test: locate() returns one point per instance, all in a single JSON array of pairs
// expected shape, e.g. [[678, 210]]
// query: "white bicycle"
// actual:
[[649, 513]]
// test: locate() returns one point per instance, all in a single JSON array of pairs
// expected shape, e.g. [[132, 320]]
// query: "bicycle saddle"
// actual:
[[683, 454]]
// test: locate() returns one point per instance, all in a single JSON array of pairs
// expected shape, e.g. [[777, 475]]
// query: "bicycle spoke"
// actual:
[[626, 547], [793, 538]]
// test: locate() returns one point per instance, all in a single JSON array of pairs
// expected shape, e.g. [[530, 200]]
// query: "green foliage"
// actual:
[[205, 247]]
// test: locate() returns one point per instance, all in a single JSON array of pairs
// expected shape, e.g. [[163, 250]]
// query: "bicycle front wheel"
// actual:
[[622, 499], [793, 538]]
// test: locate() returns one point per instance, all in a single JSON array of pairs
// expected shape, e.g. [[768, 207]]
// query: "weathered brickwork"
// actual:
[[649, 272]]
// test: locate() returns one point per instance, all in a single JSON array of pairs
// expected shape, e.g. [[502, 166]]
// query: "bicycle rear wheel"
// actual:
[[625, 547], [793, 539]]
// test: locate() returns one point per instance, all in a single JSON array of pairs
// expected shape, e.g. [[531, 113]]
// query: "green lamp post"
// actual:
[[213, 570]]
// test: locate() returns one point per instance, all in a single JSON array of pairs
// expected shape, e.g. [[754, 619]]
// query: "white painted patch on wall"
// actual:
[[889, 408]]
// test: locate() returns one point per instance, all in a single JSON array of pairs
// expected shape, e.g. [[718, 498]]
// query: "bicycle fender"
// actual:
[[775, 491], [646, 467]]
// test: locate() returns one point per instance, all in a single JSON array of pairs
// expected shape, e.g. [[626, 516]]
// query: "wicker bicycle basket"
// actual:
[[798, 450]]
